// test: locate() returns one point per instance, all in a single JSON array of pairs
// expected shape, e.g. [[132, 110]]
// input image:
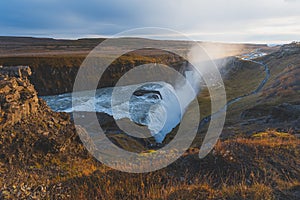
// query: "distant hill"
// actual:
[[30, 46]]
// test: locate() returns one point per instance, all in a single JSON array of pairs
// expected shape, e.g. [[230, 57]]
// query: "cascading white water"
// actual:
[[160, 115], [175, 101]]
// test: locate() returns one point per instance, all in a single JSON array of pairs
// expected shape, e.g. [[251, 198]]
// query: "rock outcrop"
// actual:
[[34, 140], [18, 98]]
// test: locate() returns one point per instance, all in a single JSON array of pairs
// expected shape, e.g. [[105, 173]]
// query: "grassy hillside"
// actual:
[[276, 102]]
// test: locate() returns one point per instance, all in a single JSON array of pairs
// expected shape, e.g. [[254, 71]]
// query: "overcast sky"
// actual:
[[264, 21]]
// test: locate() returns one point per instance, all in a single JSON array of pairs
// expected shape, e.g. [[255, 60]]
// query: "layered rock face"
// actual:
[[34, 141], [56, 75], [18, 98]]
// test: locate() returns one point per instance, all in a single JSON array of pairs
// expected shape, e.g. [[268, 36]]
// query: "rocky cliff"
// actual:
[[32, 139], [18, 97]]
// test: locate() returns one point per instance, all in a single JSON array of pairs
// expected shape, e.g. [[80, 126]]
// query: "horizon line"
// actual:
[[151, 38]]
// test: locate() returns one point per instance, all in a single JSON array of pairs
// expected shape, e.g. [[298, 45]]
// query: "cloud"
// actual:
[[217, 20], [292, 1]]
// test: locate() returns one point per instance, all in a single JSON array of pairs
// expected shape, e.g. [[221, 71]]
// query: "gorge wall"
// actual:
[[56, 75]]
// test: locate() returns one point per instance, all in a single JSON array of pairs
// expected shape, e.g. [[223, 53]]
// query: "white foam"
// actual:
[[160, 115]]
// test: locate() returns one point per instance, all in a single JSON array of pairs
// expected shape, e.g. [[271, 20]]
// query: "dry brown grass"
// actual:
[[263, 166]]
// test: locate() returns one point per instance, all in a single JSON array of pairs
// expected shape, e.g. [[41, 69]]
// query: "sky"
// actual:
[[253, 21]]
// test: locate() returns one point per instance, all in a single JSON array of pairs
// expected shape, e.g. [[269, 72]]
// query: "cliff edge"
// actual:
[[33, 139], [18, 98]]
